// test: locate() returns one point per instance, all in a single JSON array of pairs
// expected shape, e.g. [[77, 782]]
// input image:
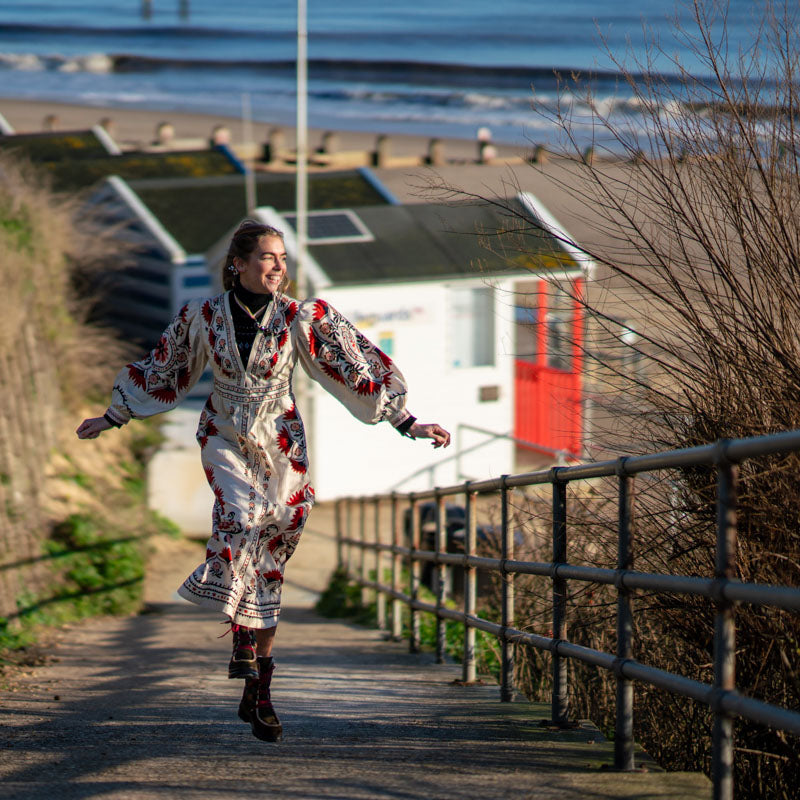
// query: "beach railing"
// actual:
[[721, 696]]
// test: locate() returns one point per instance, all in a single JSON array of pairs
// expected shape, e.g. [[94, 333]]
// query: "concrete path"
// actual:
[[141, 708]]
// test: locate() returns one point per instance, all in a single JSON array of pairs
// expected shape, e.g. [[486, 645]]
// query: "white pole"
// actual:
[[302, 389], [247, 136], [302, 146]]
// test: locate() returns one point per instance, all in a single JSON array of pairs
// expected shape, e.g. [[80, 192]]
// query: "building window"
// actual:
[[559, 355], [558, 322], [527, 319], [471, 327]]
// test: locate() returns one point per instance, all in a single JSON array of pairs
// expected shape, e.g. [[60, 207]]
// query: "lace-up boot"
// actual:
[[243, 660], [263, 720], [247, 705]]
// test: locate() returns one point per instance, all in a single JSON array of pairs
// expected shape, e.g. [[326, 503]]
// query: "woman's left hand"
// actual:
[[441, 438]]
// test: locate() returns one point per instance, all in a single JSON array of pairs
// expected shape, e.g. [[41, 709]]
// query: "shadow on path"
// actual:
[[144, 709]]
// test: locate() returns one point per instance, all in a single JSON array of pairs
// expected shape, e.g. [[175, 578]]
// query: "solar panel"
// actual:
[[333, 227]]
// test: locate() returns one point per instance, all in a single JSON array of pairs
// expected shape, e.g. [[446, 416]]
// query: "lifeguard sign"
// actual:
[[548, 381]]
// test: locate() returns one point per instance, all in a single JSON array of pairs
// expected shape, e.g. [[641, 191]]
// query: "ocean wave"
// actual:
[[411, 72], [439, 98], [96, 63]]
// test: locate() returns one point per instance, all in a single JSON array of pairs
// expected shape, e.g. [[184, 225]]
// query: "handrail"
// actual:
[[559, 455], [723, 698]]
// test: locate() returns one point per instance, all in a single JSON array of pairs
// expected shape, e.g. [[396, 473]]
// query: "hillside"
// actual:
[[73, 519]]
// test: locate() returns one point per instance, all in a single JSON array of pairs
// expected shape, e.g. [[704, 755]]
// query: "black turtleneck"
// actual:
[[245, 327]]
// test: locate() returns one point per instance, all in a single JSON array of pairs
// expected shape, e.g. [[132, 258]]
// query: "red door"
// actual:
[[549, 391]]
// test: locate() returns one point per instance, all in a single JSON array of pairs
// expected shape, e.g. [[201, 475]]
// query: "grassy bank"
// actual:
[[73, 517]]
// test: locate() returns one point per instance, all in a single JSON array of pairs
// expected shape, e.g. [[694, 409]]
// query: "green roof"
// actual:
[[78, 159], [48, 147], [197, 213], [192, 163], [425, 241]]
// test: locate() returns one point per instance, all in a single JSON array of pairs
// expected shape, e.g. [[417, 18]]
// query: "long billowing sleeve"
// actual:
[[348, 365], [164, 377]]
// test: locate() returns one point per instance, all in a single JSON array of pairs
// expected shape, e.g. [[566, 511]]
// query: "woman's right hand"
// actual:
[[91, 428]]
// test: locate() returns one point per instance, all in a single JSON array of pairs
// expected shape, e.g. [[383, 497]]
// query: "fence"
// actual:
[[725, 702]]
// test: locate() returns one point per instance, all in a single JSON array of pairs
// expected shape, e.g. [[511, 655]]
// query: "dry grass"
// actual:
[[52, 366]]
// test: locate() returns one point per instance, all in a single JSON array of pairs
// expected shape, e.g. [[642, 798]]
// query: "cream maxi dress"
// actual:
[[250, 433]]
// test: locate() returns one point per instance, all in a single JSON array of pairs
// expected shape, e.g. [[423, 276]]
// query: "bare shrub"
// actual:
[[697, 247]]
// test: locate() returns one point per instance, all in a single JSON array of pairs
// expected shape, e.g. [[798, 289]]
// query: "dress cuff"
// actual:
[[111, 419], [403, 427]]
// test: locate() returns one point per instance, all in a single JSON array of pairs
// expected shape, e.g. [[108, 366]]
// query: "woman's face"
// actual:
[[265, 267]]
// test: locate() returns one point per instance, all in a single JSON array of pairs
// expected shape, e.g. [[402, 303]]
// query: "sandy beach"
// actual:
[[134, 127]]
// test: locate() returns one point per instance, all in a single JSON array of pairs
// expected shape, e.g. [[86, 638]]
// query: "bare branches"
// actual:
[[695, 227]]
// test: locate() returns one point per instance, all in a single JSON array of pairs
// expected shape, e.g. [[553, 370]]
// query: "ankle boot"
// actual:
[[263, 719], [243, 660], [247, 705]]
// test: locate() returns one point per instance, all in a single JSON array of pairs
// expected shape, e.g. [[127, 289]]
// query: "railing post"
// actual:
[[560, 702], [470, 586], [339, 536], [397, 606], [623, 731], [414, 576], [724, 628], [441, 547], [362, 535], [380, 597], [506, 647]]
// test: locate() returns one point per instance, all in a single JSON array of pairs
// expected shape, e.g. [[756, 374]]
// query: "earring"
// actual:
[[231, 268]]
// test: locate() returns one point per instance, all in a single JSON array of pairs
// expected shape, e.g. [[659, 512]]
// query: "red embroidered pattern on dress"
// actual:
[[344, 354]]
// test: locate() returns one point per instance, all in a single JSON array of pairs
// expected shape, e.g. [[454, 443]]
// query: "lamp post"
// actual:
[[301, 200]]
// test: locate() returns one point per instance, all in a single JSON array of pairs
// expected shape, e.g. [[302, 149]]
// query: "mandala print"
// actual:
[[292, 439], [345, 355], [270, 581], [164, 374], [206, 427], [218, 337]]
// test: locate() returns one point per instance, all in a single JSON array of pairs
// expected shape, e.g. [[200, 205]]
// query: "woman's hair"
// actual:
[[243, 242]]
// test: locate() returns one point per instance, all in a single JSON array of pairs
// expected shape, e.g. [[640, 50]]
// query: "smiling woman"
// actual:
[[251, 435]]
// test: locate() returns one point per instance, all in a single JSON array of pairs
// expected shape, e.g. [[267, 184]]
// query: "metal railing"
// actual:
[[722, 697], [559, 456]]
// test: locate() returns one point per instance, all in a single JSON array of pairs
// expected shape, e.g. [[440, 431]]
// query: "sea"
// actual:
[[446, 68]]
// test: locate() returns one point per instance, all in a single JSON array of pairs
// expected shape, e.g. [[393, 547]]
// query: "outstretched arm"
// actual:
[[441, 437]]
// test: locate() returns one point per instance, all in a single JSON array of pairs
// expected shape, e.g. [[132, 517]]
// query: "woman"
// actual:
[[251, 436]]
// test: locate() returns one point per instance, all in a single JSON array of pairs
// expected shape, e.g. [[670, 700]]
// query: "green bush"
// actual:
[[342, 600]]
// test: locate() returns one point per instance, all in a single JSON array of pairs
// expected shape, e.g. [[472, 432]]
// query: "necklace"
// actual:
[[252, 316]]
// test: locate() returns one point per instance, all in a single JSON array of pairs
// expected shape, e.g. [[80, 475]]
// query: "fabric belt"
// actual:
[[252, 394]]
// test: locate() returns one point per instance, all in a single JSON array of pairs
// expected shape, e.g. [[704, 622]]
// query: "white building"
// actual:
[[420, 282]]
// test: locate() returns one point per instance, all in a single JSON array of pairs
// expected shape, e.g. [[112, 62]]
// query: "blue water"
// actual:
[[444, 68]]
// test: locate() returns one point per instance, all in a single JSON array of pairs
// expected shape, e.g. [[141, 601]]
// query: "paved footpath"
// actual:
[[141, 708]]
